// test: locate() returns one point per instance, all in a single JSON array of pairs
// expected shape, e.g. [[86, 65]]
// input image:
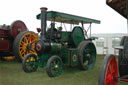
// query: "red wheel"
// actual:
[[108, 71], [16, 27]]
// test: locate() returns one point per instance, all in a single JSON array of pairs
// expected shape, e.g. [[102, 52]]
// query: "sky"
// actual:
[[26, 10]]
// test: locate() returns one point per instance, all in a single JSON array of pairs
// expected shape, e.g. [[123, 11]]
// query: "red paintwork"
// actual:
[[4, 45], [17, 27], [8, 34], [38, 30], [111, 72], [4, 34]]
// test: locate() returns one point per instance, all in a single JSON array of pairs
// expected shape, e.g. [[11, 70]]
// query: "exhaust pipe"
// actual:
[[43, 22]]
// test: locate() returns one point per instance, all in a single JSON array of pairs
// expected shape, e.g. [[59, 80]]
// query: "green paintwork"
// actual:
[[43, 59], [74, 57], [68, 18], [57, 47], [65, 36], [77, 35], [67, 57]]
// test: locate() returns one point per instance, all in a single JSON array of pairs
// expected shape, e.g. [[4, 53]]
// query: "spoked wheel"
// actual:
[[87, 55], [108, 71], [24, 44], [54, 66], [29, 63]]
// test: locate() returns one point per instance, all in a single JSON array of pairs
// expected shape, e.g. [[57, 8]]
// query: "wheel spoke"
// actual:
[[33, 50], [113, 67], [33, 41], [58, 63], [22, 53], [33, 45], [22, 48], [25, 39], [22, 43], [109, 69], [53, 69], [29, 37]]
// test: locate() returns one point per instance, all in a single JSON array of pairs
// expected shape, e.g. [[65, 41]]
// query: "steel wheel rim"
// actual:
[[111, 72], [56, 67], [30, 64], [27, 44], [89, 56]]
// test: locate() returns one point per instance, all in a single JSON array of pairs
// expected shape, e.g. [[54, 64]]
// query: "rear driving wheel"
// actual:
[[24, 44], [109, 71], [87, 55]]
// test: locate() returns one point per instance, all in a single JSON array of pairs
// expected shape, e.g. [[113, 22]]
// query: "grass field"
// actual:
[[11, 73]]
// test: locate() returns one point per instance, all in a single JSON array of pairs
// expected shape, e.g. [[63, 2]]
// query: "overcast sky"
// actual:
[[26, 10]]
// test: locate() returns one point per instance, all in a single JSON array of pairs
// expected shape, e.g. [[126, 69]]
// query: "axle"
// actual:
[[123, 79]]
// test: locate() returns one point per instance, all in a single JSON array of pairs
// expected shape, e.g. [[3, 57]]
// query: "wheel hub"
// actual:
[[56, 66], [28, 47], [88, 56]]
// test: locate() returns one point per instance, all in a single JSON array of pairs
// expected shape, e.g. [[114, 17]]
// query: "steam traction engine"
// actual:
[[57, 47], [8, 34], [109, 69]]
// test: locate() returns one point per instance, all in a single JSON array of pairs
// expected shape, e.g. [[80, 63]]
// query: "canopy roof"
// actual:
[[68, 18], [119, 6]]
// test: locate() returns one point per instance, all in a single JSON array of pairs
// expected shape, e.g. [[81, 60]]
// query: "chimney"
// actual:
[[43, 22]]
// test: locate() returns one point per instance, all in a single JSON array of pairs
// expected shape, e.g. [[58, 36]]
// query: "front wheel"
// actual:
[[29, 63], [109, 71], [54, 66]]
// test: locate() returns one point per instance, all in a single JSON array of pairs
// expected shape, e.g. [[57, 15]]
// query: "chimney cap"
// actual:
[[43, 8]]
